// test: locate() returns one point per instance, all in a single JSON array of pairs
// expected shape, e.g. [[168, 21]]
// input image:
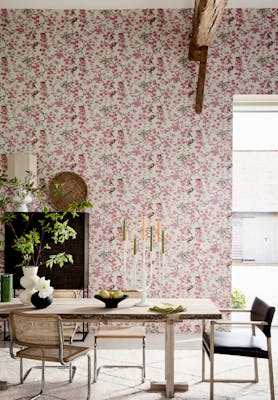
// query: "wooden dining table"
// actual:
[[91, 309]]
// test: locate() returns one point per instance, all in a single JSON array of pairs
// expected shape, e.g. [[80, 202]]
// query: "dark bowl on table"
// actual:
[[111, 302]]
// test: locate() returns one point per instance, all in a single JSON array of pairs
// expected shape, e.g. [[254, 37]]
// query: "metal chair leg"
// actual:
[[95, 360], [89, 377], [70, 366], [203, 365], [72, 370], [144, 360], [42, 383], [43, 376], [36, 396], [70, 373], [21, 371]]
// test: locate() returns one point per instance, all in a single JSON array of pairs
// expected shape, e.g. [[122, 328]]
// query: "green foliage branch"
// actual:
[[53, 228]]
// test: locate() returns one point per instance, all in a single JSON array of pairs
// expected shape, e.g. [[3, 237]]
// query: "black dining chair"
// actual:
[[254, 343]]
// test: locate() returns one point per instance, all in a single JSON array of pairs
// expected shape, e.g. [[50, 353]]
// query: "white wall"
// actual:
[[255, 238], [255, 181], [260, 281]]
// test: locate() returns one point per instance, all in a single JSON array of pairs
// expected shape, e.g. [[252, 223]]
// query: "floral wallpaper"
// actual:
[[110, 95]]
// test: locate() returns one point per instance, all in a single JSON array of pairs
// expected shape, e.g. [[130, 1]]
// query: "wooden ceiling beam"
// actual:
[[201, 79], [207, 17]]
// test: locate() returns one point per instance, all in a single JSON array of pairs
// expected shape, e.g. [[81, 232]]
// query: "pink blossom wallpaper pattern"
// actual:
[[110, 95]]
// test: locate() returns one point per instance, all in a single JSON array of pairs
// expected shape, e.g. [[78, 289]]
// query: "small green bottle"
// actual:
[[6, 287]]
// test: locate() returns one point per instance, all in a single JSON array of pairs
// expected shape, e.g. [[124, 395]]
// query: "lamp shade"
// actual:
[[19, 164]]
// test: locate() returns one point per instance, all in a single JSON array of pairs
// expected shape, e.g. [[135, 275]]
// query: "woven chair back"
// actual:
[[40, 330], [133, 294], [65, 294]]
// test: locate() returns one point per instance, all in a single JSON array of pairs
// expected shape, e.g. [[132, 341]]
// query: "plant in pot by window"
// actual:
[[33, 238]]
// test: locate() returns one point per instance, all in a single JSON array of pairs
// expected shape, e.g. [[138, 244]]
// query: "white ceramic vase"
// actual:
[[28, 281], [21, 201]]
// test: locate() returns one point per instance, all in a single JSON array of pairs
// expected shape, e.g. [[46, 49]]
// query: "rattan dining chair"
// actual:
[[69, 328], [40, 337], [121, 332], [252, 343]]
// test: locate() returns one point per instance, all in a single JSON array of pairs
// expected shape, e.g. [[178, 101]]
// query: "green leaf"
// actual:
[[70, 258], [59, 259], [25, 217]]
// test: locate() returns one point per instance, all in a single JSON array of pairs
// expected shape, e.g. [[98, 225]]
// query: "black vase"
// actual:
[[39, 302]]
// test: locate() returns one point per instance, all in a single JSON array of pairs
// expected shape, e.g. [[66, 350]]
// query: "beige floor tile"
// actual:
[[124, 383]]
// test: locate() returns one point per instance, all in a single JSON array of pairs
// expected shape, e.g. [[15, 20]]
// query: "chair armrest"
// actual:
[[228, 322], [228, 310]]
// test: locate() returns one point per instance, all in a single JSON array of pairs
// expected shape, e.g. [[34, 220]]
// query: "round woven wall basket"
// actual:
[[65, 188]]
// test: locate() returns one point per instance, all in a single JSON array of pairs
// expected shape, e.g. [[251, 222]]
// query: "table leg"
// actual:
[[169, 358], [169, 384]]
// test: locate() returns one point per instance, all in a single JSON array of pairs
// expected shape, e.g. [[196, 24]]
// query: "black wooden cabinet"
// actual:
[[70, 276]]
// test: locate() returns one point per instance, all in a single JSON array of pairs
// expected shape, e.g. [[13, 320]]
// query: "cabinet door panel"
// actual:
[[70, 276]]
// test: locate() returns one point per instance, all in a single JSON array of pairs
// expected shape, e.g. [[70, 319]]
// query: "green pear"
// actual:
[[104, 294], [117, 294]]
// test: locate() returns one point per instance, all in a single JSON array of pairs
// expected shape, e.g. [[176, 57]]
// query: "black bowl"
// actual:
[[110, 302]]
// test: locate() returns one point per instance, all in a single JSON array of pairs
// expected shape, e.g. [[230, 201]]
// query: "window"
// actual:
[[255, 197], [255, 179]]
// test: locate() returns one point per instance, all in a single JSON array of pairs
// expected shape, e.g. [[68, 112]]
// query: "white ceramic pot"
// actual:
[[28, 281]]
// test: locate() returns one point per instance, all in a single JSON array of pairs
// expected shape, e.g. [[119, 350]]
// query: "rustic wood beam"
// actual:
[[207, 17], [194, 53], [201, 79], [210, 15]]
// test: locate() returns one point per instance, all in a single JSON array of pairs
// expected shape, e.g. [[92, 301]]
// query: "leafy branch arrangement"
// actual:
[[33, 241]]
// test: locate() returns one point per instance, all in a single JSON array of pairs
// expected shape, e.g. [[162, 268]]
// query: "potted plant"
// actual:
[[239, 299], [34, 240]]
